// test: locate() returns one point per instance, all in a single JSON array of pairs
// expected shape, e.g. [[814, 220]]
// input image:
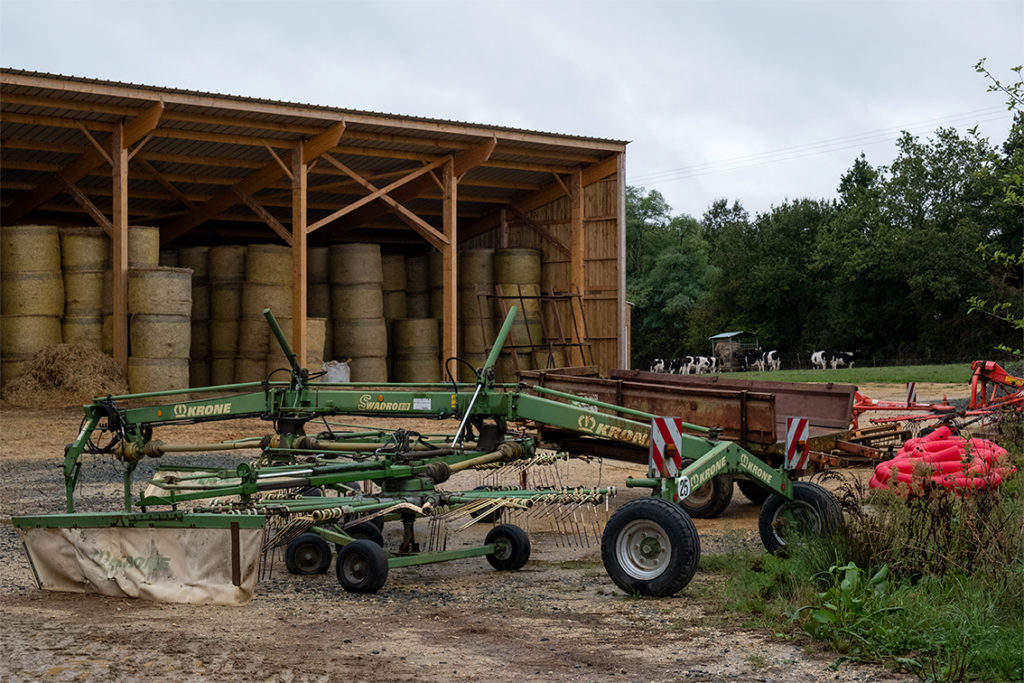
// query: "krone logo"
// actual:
[[179, 410]]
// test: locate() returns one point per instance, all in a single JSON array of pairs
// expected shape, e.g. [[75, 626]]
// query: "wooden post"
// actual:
[[299, 254], [449, 324], [504, 229], [119, 157], [576, 271], [625, 312]]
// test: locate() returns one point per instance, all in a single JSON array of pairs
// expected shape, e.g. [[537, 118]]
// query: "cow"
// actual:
[[771, 360], [658, 365], [681, 366], [820, 359], [705, 364], [752, 359], [841, 358]]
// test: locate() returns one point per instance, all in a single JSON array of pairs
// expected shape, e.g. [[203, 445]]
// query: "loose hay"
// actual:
[[65, 375]]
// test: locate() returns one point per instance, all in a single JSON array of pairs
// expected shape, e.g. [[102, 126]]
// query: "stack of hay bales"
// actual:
[[198, 260], [160, 318], [227, 273], [318, 305], [31, 294], [143, 252], [85, 257], [517, 272], [268, 284], [417, 287], [357, 303], [416, 346], [476, 321]]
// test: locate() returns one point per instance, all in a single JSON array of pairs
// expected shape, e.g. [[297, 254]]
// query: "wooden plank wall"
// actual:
[[600, 298]]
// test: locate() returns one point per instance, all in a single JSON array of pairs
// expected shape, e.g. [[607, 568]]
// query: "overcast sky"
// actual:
[[757, 101]]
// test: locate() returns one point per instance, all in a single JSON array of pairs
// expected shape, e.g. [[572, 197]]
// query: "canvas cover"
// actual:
[[184, 565]]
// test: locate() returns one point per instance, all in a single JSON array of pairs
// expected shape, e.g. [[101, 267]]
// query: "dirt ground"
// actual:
[[558, 618]]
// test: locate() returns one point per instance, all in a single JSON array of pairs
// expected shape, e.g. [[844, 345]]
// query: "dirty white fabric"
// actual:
[[166, 565], [338, 372]]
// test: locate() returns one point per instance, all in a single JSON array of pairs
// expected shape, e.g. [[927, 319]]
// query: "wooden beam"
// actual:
[[251, 184], [88, 206], [54, 121], [375, 192], [577, 274], [96, 145], [463, 162], [166, 184], [590, 175], [267, 217], [542, 231], [132, 131], [624, 309], [298, 242], [119, 196], [449, 265]]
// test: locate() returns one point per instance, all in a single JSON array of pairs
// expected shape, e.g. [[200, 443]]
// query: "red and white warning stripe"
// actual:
[[911, 392], [797, 445], [666, 445]]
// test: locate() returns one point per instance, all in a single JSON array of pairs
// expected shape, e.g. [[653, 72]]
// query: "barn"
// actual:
[[359, 227]]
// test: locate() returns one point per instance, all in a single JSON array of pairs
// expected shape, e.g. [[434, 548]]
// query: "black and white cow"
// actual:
[[658, 365], [771, 360], [834, 359], [705, 364]]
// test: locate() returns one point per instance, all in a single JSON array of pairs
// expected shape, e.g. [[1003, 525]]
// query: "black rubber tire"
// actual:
[[367, 531], [489, 518], [650, 547], [813, 510], [513, 547], [308, 554], [362, 567], [711, 499], [312, 492], [754, 492]]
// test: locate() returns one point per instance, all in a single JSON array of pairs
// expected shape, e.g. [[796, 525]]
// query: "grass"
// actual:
[[957, 373], [932, 584]]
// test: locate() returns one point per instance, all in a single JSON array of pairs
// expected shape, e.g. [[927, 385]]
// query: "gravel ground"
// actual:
[[559, 618]]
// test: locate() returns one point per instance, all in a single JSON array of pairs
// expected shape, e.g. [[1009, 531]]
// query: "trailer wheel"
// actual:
[[813, 510], [709, 500], [754, 492], [650, 547], [308, 554], [362, 567], [364, 531], [511, 547]]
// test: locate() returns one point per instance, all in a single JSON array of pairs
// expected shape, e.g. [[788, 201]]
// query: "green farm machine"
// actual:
[[202, 534]]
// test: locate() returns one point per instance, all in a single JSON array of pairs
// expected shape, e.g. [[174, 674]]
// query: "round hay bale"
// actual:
[[160, 336], [355, 263], [32, 293], [417, 304], [524, 297], [26, 334], [517, 266], [226, 301], [200, 301], [157, 374], [476, 335], [198, 373], [160, 291], [360, 338], [547, 358], [416, 350], [259, 295], [476, 267], [393, 272], [316, 338], [223, 336], [83, 292], [476, 359], [269, 264], [143, 246], [395, 305], [107, 342], [318, 300], [227, 263], [357, 301], [369, 369], [12, 366], [84, 331], [253, 337], [222, 369], [317, 268], [198, 260], [435, 277], [29, 249], [250, 368], [169, 258], [84, 249], [506, 366], [200, 336], [417, 274]]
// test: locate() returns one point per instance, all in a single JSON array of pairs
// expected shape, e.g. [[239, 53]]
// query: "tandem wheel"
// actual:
[[813, 511], [362, 567]]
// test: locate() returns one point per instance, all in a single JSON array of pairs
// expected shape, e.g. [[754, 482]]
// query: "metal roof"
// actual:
[[730, 335], [193, 145]]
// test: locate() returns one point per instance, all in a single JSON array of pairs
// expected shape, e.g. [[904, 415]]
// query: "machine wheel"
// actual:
[[711, 499], [367, 531], [754, 492], [362, 567], [308, 554], [650, 547], [813, 510], [512, 547]]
